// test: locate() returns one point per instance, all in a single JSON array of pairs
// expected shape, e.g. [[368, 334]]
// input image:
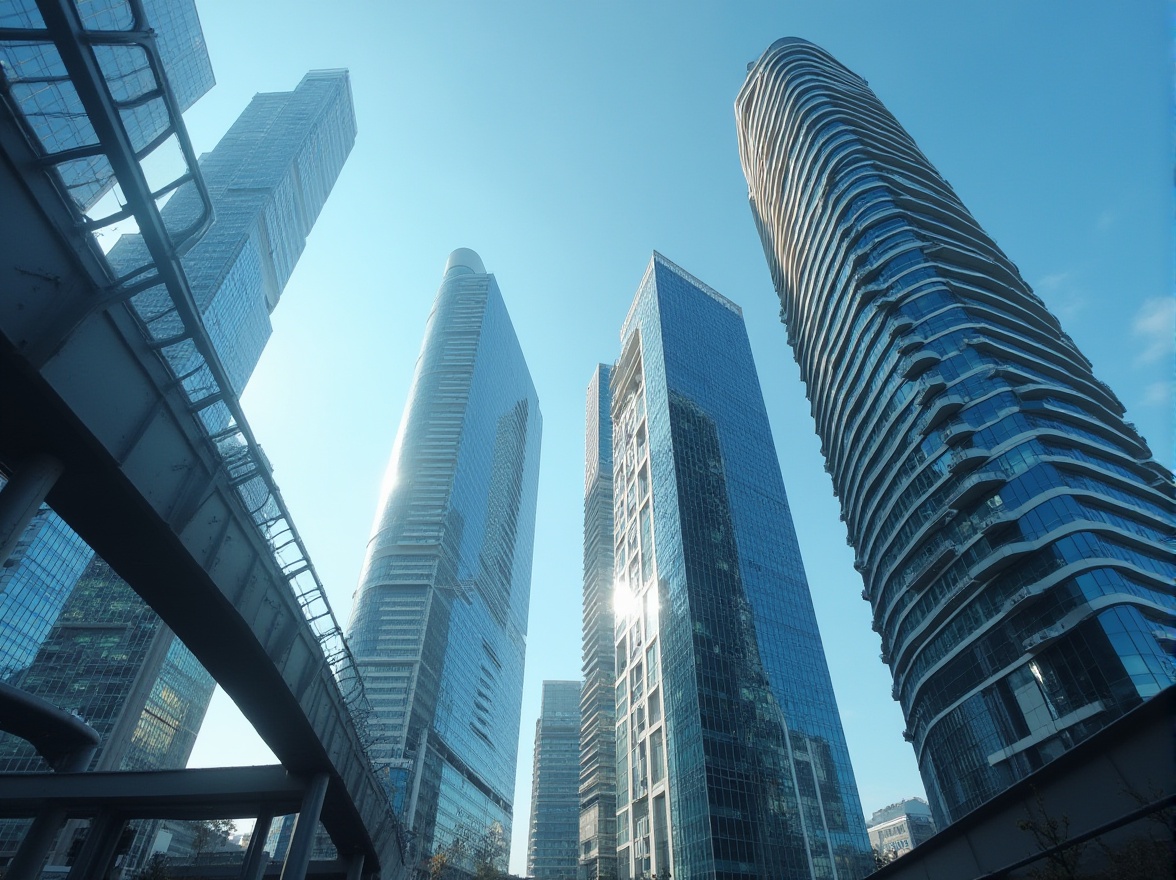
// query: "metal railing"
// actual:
[[86, 73]]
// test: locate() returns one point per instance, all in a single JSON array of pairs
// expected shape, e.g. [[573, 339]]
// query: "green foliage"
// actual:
[[155, 869], [1148, 855], [208, 832], [472, 854]]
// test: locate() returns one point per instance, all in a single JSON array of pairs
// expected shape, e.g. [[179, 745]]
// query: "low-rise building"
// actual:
[[900, 827]]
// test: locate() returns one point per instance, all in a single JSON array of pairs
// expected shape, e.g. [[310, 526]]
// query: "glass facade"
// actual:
[[35, 582], [111, 659], [598, 716], [36, 79], [1012, 529], [440, 618], [268, 179], [731, 761], [553, 839]]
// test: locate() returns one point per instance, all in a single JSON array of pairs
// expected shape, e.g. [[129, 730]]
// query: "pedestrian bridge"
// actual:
[[115, 408]]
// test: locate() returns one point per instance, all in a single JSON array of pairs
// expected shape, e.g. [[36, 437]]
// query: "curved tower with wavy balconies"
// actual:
[[1012, 529]]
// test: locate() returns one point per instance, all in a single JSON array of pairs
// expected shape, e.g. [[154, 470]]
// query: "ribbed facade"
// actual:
[[731, 760], [553, 838], [598, 746], [1012, 529], [439, 625]]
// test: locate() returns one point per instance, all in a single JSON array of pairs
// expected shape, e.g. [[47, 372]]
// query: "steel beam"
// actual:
[[22, 497], [66, 741], [255, 857], [302, 840], [30, 856], [208, 793], [98, 849]]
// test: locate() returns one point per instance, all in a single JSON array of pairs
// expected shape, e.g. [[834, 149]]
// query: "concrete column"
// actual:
[[22, 496], [255, 859], [302, 840]]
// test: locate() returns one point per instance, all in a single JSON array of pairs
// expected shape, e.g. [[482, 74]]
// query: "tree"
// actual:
[[481, 855], [489, 851], [883, 857], [1050, 835], [155, 869], [209, 832]]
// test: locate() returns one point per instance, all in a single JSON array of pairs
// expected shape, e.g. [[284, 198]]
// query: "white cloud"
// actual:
[[1155, 326], [1060, 294], [1158, 394], [1054, 280]]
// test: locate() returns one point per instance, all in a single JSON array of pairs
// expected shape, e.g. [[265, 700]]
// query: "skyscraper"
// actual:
[[1009, 524], [36, 80], [110, 658], [731, 761], [268, 179], [35, 582], [439, 624], [598, 715], [553, 838], [108, 654]]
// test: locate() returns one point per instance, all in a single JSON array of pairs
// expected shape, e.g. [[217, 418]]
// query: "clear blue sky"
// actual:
[[566, 141]]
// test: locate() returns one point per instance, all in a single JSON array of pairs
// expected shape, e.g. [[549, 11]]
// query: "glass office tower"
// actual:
[[1013, 530], [268, 179], [110, 658], [35, 582], [731, 760], [598, 716], [553, 837], [36, 80], [439, 624]]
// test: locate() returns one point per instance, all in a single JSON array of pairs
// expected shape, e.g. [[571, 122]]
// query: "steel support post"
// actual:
[[22, 496], [355, 867], [98, 851], [77, 761], [30, 856], [255, 858], [302, 840]]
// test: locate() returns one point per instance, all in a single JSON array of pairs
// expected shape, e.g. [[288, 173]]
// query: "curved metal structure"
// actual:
[[64, 740], [1009, 524], [115, 376]]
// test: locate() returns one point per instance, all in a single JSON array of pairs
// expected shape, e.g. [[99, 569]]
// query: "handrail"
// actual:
[[162, 301]]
